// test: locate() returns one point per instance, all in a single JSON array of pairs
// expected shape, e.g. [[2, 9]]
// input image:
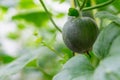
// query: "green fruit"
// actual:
[[80, 33]]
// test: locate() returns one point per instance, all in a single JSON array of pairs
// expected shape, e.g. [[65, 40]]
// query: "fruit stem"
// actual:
[[50, 16], [88, 54], [99, 5]]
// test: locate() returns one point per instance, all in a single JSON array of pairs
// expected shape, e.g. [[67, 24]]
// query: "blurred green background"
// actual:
[[30, 46], [25, 28]]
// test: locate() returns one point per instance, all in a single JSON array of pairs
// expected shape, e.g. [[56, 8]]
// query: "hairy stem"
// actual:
[[99, 5], [50, 16]]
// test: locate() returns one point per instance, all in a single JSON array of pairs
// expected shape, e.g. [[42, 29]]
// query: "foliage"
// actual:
[[40, 50], [80, 67], [38, 18]]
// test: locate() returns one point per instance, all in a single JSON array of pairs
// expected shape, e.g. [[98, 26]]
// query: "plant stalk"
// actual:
[[50, 16], [78, 3], [52, 49], [99, 5], [83, 4]]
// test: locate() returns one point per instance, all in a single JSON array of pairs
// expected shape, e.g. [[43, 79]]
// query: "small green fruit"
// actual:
[[80, 33]]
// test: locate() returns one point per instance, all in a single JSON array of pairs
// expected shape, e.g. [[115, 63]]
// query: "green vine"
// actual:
[[77, 3], [50, 16], [52, 49], [83, 4], [99, 5]]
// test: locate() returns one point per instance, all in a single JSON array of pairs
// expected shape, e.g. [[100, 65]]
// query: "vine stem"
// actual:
[[83, 4], [99, 5], [50, 16], [77, 3], [52, 49]]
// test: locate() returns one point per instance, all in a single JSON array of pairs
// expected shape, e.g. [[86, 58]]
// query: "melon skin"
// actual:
[[88, 14], [79, 34]]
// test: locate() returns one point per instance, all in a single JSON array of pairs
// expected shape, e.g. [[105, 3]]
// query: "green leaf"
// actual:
[[20, 26], [117, 5], [108, 69], [61, 1], [115, 47], [38, 18], [46, 61], [18, 64], [5, 58], [106, 48], [73, 12], [108, 43], [13, 35], [77, 68], [104, 41], [113, 8], [109, 16], [27, 4]]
